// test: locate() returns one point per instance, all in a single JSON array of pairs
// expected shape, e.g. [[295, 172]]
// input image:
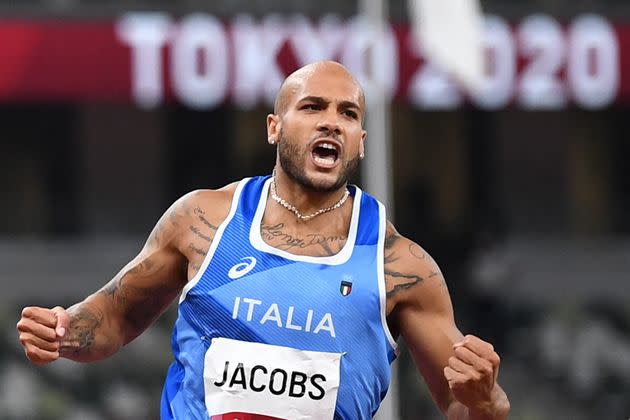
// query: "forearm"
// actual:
[[498, 409], [94, 331]]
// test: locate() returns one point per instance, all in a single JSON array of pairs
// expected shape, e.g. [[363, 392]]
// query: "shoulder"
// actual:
[[216, 201], [412, 276], [198, 210], [406, 252]]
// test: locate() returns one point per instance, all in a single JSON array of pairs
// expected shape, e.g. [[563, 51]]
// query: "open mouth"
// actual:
[[325, 153]]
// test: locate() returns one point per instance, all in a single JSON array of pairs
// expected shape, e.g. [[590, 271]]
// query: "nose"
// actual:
[[329, 123]]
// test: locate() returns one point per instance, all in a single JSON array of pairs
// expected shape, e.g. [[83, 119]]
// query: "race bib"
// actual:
[[245, 380]]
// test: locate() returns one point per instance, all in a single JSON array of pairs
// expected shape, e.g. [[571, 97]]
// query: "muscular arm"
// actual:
[[135, 297], [420, 310]]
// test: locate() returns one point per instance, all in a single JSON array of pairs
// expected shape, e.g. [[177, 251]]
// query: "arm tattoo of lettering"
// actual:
[[409, 280], [197, 232], [197, 250], [201, 215]]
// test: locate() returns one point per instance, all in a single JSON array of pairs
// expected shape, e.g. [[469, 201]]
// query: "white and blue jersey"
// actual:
[[265, 332]]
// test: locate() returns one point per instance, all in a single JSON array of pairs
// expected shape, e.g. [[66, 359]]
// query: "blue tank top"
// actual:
[[249, 291]]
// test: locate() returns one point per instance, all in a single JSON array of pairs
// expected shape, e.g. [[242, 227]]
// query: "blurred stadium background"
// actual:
[[110, 110]]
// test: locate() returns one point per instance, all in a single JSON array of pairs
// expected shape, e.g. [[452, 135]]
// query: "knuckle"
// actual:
[[456, 384], [496, 359], [487, 371]]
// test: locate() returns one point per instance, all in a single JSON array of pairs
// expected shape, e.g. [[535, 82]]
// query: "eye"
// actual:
[[313, 107], [350, 113]]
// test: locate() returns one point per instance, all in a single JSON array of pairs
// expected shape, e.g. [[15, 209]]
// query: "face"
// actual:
[[320, 134]]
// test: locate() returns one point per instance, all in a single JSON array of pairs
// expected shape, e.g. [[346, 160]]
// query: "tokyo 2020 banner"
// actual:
[[202, 62]]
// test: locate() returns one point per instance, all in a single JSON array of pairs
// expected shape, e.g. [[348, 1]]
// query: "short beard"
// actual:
[[293, 160]]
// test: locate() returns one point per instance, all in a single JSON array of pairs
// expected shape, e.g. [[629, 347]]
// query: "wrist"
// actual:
[[496, 409]]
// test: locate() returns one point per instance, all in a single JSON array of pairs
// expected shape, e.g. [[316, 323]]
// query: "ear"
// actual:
[[273, 128], [362, 144]]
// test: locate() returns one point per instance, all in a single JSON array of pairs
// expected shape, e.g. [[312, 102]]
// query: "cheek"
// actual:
[[354, 138], [295, 132]]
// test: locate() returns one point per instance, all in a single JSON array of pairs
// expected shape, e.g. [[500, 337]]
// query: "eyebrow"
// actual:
[[321, 101]]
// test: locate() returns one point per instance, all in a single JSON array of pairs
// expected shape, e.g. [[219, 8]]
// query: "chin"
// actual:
[[325, 182]]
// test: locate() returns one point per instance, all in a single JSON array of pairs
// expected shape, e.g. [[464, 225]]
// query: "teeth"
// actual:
[[327, 160], [327, 146]]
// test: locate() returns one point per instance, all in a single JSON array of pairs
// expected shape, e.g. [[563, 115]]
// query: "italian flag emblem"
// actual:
[[345, 288]]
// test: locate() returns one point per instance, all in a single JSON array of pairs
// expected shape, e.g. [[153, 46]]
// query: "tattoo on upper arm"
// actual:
[[390, 240], [409, 280], [197, 232], [197, 250], [416, 251], [201, 215]]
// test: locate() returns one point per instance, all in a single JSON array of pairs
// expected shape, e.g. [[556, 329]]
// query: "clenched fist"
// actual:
[[472, 373], [41, 331]]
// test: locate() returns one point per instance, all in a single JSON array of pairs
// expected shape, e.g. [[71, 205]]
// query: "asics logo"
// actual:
[[240, 269]]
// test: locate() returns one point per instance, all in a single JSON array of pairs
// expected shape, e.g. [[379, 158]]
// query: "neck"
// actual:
[[306, 200]]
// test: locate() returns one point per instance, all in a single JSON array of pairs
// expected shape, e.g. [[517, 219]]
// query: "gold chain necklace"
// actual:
[[295, 211]]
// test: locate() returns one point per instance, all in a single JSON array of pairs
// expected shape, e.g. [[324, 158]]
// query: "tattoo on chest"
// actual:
[[278, 237]]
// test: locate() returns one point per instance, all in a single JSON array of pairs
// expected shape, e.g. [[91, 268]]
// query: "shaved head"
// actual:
[[296, 80]]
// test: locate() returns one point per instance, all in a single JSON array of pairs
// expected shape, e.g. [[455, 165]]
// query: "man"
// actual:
[[293, 288]]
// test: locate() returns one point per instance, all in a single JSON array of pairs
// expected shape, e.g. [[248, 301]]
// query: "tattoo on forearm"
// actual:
[[83, 326], [411, 280], [118, 291], [114, 291]]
